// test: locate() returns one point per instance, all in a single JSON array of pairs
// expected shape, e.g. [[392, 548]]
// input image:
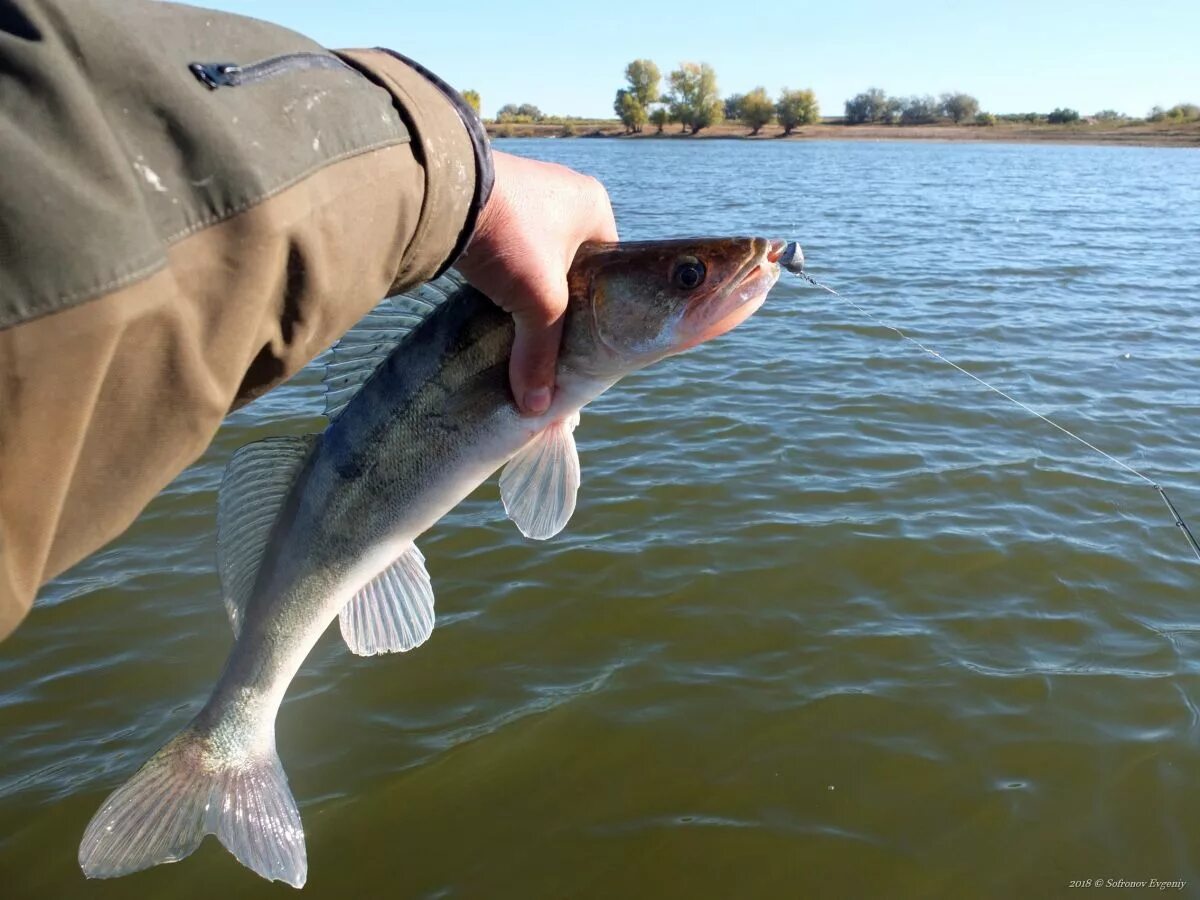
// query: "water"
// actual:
[[831, 620]]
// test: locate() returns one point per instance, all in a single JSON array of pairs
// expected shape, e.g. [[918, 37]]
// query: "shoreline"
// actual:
[[1131, 134]]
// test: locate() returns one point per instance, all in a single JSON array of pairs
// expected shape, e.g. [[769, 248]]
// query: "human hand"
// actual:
[[526, 238]]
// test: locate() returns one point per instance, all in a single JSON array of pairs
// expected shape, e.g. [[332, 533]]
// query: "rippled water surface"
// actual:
[[830, 620]]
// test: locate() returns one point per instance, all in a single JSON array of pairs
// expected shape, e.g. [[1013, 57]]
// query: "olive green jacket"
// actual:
[[192, 206]]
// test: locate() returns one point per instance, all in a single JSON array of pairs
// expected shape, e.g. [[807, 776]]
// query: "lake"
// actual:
[[830, 620]]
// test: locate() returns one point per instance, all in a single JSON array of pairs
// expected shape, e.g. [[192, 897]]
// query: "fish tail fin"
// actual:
[[186, 791]]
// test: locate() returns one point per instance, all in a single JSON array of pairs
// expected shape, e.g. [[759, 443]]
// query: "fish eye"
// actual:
[[689, 273]]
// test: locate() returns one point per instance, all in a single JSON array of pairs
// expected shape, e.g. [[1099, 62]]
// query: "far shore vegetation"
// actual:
[[691, 106]]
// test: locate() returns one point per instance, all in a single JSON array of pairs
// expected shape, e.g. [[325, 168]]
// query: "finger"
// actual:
[[604, 227], [534, 357]]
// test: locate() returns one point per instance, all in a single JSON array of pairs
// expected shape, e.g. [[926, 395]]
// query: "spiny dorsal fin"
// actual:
[[368, 343], [539, 484], [256, 482], [394, 612]]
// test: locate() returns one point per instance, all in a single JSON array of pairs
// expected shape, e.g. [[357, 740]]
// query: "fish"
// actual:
[[313, 528]]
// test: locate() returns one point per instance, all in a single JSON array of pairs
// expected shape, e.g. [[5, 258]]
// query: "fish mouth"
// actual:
[[776, 250], [746, 292]]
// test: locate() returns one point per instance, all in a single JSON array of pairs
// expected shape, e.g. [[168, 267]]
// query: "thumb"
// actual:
[[534, 356]]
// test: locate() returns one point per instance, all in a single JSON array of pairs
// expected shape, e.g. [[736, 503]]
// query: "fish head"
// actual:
[[634, 303]]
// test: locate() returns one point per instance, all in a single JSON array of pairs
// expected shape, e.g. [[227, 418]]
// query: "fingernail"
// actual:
[[537, 400]]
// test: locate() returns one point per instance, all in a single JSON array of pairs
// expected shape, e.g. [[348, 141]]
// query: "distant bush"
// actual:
[[1180, 112], [797, 108], [733, 106], [756, 110], [568, 130], [919, 110], [519, 115], [1062, 116], [629, 110], [985, 118], [959, 107], [1109, 115], [659, 118], [873, 105]]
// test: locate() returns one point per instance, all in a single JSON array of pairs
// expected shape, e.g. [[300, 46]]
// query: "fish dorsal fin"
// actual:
[[394, 612], [256, 482], [539, 484], [368, 343]]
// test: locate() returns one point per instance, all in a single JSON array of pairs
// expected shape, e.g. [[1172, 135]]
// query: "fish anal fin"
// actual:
[[255, 485], [394, 611], [539, 484]]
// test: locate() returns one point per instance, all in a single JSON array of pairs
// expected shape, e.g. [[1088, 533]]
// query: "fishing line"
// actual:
[[1178, 519]]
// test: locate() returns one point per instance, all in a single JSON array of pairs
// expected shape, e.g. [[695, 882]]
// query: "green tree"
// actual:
[[472, 98], [733, 106], [659, 118], [873, 105], [985, 118], [644, 78], [919, 110], [959, 107], [1110, 115], [629, 110], [1062, 116], [693, 98], [756, 110], [797, 108], [519, 115]]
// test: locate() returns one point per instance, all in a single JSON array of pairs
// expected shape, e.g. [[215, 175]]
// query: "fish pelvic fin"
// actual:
[[539, 484], [184, 792], [394, 612], [253, 490]]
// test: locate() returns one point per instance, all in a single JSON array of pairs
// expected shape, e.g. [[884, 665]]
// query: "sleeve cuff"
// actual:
[[450, 142]]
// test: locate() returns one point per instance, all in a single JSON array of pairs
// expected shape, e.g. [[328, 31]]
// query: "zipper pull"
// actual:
[[215, 75]]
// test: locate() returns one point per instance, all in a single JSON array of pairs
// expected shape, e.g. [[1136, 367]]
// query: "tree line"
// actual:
[[693, 101]]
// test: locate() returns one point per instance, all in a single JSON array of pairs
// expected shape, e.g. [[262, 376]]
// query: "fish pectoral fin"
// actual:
[[394, 612], [255, 485], [539, 484]]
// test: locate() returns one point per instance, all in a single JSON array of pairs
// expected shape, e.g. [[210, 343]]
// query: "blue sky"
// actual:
[[1015, 56]]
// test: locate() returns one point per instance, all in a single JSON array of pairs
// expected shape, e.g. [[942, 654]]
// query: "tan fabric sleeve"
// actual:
[[105, 400]]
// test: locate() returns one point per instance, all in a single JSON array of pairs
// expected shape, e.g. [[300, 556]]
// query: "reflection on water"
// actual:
[[830, 620]]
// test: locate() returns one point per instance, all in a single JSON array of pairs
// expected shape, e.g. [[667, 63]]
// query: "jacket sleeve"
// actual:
[[192, 206]]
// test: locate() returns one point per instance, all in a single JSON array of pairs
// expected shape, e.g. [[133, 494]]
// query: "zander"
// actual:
[[310, 528]]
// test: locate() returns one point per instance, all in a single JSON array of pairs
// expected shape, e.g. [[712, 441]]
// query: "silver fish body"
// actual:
[[322, 528]]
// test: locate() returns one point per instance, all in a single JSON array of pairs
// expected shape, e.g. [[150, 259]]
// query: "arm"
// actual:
[[171, 250]]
